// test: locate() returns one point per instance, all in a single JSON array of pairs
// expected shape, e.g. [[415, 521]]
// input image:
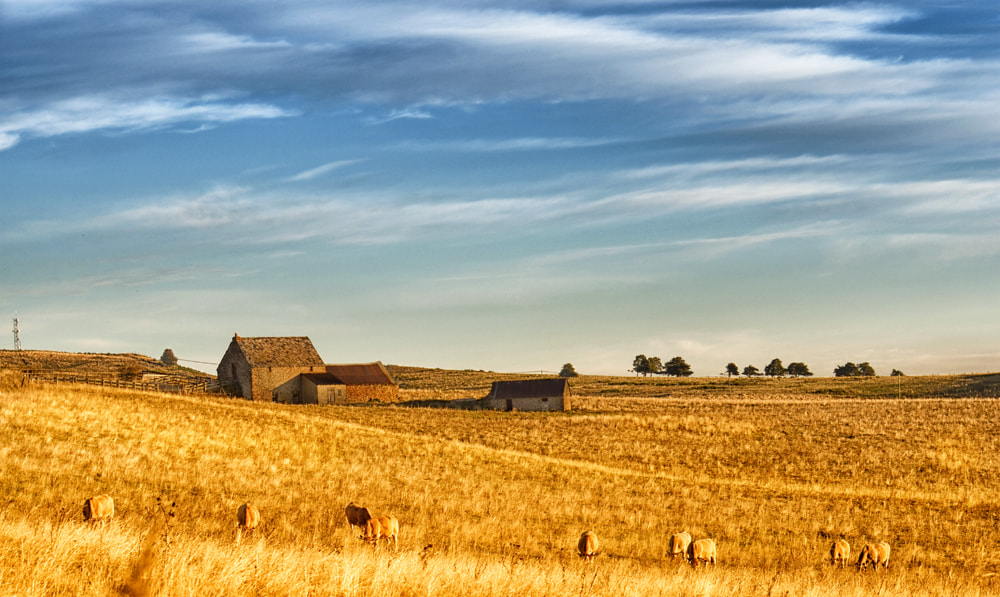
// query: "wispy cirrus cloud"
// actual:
[[404, 114], [264, 221], [321, 170], [112, 113], [499, 145]]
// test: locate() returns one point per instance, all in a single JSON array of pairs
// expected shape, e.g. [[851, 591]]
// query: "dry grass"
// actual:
[[501, 497]]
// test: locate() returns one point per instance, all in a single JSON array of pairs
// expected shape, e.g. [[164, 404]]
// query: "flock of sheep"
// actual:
[[703, 551], [377, 528]]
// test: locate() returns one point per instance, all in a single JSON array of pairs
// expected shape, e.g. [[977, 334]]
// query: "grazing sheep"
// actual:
[[587, 545], [875, 554], [702, 550], [840, 551], [383, 527], [357, 516], [248, 516], [679, 544], [100, 507]]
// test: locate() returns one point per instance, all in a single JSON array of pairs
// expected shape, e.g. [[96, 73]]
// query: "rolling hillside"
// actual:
[[491, 503], [89, 363]]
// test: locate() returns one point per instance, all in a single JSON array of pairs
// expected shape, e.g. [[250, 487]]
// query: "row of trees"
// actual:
[[677, 366], [776, 369], [773, 369], [862, 370]]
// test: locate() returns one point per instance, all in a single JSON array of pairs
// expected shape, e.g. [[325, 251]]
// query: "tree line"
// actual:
[[677, 367], [773, 369], [776, 369]]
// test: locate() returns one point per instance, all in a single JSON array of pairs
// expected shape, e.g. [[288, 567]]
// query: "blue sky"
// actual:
[[506, 185]]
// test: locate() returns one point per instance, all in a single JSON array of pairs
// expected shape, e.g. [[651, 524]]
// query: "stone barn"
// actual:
[[529, 395], [268, 368], [288, 369], [346, 384]]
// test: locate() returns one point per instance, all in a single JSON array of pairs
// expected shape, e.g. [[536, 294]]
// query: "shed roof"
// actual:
[[323, 379], [529, 388], [279, 351], [362, 374]]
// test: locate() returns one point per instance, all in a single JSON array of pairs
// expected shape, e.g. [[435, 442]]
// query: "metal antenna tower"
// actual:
[[17, 337]]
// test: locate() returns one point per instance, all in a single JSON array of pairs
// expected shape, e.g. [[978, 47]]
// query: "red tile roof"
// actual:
[[363, 374]]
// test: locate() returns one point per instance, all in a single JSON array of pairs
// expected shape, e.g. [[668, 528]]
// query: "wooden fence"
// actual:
[[178, 384]]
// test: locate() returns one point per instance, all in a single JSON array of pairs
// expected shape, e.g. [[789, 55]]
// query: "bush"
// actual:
[[130, 372]]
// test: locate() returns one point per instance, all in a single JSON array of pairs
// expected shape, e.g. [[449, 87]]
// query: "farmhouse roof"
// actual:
[[362, 374], [279, 351], [529, 388]]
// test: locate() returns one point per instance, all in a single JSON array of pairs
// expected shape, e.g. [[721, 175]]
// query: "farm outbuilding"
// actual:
[[345, 384], [322, 388], [288, 369], [529, 395]]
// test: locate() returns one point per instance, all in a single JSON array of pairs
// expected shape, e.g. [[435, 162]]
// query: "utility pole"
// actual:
[[17, 337]]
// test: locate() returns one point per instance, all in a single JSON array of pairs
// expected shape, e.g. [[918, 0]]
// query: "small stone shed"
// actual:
[[346, 384], [268, 368], [529, 395]]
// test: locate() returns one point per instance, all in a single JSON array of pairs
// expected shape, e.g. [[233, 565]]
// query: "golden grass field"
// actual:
[[773, 471]]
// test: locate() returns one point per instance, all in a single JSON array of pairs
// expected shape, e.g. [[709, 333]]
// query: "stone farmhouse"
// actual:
[[529, 395], [288, 369]]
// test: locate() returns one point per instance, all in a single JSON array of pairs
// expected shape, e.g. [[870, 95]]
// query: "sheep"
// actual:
[[99, 508], [382, 527], [357, 516], [587, 545], [840, 551], [248, 516], [875, 554], [679, 544], [702, 550]]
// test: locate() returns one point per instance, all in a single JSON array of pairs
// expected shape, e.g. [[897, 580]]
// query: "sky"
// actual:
[[506, 185]]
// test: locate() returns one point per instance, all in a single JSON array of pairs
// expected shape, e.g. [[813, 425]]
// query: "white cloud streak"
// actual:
[[321, 170], [109, 113]]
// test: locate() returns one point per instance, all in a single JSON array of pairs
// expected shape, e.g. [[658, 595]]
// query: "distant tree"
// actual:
[[655, 365], [798, 370], [168, 358], [866, 370], [897, 373], [568, 371], [640, 365], [774, 369], [751, 371], [732, 369], [847, 370], [677, 367]]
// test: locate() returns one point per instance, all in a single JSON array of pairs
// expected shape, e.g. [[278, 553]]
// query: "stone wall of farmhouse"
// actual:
[[373, 393], [234, 375], [280, 384]]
